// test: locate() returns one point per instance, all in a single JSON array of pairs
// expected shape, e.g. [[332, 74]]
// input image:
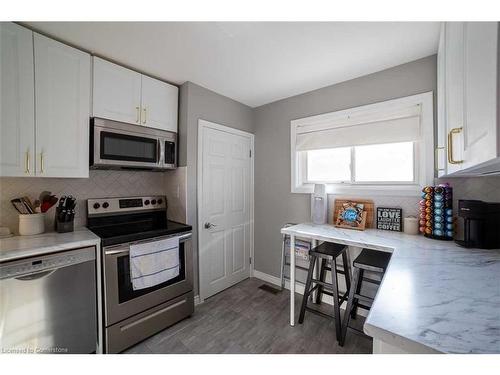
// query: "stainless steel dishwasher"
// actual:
[[48, 303]]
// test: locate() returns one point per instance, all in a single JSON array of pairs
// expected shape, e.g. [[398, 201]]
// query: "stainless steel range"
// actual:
[[133, 315]]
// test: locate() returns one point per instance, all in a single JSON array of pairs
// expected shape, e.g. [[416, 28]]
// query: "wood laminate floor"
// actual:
[[246, 319]]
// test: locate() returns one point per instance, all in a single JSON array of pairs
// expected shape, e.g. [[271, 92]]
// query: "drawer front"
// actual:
[[124, 334]]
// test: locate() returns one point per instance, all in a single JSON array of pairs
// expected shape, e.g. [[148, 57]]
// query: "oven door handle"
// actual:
[[114, 252], [125, 250]]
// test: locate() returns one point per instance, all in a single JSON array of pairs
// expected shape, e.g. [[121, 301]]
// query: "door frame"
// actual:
[[204, 124]]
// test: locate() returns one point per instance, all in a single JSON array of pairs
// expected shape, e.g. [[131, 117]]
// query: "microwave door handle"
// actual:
[[158, 151]]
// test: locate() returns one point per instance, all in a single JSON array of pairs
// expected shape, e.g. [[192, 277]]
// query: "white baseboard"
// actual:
[[197, 300], [266, 277], [299, 288]]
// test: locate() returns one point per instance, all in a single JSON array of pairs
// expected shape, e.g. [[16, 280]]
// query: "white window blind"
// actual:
[[365, 129]]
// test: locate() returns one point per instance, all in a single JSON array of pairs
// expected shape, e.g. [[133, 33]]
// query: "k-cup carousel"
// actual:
[[436, 212]]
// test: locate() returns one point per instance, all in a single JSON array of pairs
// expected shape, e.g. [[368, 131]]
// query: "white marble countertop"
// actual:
[[26, 246], [435, 295]]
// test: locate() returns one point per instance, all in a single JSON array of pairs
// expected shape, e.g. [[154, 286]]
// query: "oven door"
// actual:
[[121, 301], [124, 148]]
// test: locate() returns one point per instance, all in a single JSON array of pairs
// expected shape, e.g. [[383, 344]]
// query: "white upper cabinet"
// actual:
[[159, 104], [117, 92], [454, 96], [122, 94], [467, 97], [62, 97], [17, 131], [480, 92], [440, 152]]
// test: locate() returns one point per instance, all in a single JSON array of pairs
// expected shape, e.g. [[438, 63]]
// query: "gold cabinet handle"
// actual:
[[41, 163], [138, 118], [145, 112], [450, 146], [27, 163]]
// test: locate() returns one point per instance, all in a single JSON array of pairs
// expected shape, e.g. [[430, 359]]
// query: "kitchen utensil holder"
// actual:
[[30, 224], [63, 226]]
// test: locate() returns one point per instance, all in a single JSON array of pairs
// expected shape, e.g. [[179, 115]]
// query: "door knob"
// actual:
[[209, 225]]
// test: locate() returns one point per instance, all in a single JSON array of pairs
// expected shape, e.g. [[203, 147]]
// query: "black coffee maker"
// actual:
[[478, 224]]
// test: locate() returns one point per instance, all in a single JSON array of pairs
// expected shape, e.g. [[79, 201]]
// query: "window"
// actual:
[[385, 146], [330, 165], [390, 162]]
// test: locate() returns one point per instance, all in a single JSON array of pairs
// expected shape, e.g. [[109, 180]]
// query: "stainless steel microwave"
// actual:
[[116, 145]]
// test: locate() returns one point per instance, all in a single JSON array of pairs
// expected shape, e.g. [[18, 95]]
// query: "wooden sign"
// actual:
[[351, 216], [368, 207], [389, 218]]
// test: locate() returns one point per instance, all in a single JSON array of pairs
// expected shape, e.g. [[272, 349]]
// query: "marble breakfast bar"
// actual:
[[435, 297]]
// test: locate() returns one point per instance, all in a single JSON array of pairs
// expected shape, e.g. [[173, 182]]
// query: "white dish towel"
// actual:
[[154, 263]]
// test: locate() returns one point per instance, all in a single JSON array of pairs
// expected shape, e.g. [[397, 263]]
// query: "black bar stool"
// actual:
[[367, 260], [325, 251]]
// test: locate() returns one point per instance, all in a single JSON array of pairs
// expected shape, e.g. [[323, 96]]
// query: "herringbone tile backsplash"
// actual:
[[482, 188], [99, 184], [173, 184]]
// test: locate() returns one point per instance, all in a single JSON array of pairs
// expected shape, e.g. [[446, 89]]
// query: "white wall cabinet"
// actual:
[[62, 110], [122, 94], [440, 162], [45, 88], [159, 104], [480, 93], [467, 98], [116, 93], [17, 117]]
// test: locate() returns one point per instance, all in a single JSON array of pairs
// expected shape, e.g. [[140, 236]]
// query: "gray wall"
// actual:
[[198, 103], [274, 203]]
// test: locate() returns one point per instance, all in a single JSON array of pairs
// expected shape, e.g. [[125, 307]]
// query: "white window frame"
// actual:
[[423, 151]]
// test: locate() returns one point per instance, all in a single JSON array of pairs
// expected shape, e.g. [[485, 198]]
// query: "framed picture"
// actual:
[[389, 218], [351, 215]]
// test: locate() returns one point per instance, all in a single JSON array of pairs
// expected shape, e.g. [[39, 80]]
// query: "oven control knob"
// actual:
[[105, 205], [96, 205], [146, 202], [160, 201], [153, 201]]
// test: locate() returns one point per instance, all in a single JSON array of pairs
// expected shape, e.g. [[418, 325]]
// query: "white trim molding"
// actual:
[[424, 147]]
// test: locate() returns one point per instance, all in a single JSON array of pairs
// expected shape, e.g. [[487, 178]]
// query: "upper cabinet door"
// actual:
[[159, 104], [17, 126], [62, 95], [117, 92], [454, 98], [440, 152], [480, 92]]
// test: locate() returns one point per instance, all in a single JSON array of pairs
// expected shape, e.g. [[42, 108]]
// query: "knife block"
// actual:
[[63, 226]]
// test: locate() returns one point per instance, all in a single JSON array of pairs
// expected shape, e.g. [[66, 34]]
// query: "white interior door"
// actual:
[[225, 207]]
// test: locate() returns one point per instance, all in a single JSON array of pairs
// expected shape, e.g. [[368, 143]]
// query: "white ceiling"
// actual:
[[253, 62]]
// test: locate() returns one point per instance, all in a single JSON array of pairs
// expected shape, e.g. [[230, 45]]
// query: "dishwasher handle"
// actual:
[[35, 276]]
